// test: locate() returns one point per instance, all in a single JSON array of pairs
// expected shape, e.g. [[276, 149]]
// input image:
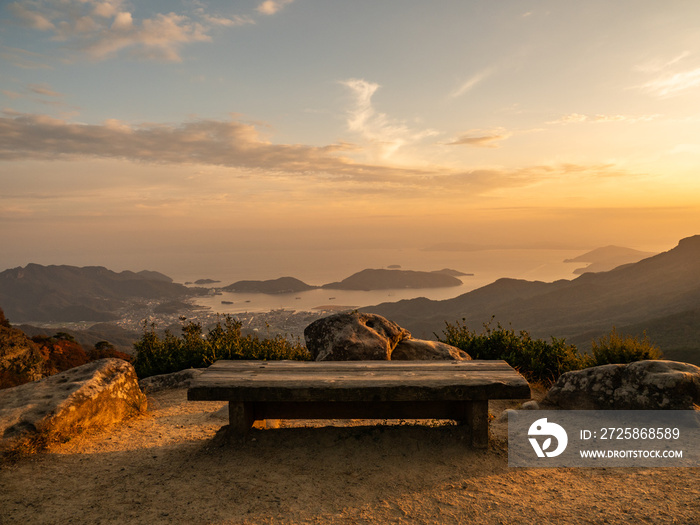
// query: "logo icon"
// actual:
[[542, 427]]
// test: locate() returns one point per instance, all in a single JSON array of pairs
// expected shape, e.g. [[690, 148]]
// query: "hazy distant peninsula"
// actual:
[[453, 273], [607, 258], [206, 281], [383, 279], [93, 293], [271, 286]]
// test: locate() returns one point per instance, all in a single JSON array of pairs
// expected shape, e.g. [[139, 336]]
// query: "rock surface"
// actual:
[[420, 350], [97, 394], [643, 385], [353, 336], [181, 379]]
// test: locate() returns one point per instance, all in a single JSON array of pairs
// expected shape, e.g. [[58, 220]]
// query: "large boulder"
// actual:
[[643, 385], [420, 350], [97, 394], [353, 336]]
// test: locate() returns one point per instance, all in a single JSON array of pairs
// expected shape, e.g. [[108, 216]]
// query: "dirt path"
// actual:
[[167, 467]]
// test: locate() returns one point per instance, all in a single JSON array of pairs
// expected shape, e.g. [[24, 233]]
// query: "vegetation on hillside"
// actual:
[[23, 359], [542, 361], [618, 348], [195, 349]]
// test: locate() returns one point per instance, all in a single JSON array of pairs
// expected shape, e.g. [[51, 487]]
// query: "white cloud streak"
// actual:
[[470, 83], [385, 135], [578, 118], [673, 84], [669, 81]]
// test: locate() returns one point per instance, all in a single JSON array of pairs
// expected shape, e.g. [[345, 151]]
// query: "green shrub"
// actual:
[[193, 349], [536, 359], [615, 348]]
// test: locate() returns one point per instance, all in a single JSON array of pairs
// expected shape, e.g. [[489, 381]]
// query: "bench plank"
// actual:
[[358, 381], [457, 390]]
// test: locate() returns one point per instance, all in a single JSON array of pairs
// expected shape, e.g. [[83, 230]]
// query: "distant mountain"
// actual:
[[453, 273], [608, 258], [662, 286], [394, 279], [69, 293], [272, 286], [206, 281]]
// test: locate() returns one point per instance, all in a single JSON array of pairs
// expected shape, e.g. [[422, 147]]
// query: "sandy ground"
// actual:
[[169, 466]]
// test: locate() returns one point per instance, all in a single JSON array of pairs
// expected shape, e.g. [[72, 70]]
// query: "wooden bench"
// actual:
[[457, 390]]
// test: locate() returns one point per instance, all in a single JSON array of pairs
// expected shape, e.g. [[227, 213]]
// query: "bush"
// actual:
[[193, 349], [615, 348], [536, 359]]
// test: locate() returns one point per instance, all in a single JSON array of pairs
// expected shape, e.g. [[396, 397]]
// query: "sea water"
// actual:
[[321, 267]]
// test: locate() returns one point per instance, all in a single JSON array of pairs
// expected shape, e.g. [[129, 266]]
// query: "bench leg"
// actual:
[[477, 418], [240, 418]]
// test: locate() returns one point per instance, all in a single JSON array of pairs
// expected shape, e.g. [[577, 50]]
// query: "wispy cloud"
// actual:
[[232, 144], [673, 84], [24, 59], [44, 89], [669, 79], [238, 145], [656, 65], [578, 118], [270, 7], [103, 29], [481, 139], [386, 134], [43, 94], [471, 82]]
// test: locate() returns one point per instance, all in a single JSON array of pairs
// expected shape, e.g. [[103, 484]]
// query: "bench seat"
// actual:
[[457, 390]]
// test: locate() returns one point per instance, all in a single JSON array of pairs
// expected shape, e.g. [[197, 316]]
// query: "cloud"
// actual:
[[270, 7], [205, 141], [43, 89], [31, 18], [103, 29], [24, 59], [471, 82], [481, 139], [669, 81], [236, 20], [673, 84], [387, 136], [578, 118], [232, 144], [656, 65], [43, 94]]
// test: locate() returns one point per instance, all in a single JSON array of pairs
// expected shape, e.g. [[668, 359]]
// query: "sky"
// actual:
[[135, 133]]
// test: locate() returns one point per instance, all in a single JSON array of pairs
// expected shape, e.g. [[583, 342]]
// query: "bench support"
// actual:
[[240, 418], [472, 414], [477, 419]]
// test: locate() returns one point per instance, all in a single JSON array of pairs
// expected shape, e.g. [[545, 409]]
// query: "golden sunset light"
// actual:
[[501, 124]]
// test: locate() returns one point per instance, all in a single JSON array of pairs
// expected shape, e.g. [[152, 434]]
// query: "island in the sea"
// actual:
[[271, 286], [365, 280]]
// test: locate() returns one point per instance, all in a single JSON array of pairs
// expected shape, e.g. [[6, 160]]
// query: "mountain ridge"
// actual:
[[664, 284], [66, 293]]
